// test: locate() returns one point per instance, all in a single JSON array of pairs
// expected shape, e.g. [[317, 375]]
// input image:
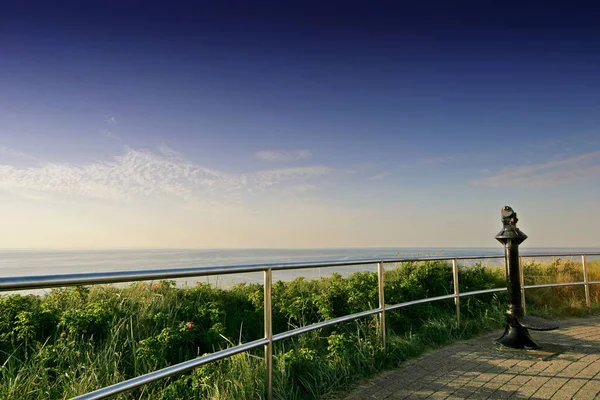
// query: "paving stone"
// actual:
[[591, 389], [569, 390], [549, 388], [477, 369]]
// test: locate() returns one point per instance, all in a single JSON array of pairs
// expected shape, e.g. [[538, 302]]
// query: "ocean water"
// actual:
[[36, 262]]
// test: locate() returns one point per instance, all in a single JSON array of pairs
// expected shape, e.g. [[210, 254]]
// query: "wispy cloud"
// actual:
[[282, 155], [378, 177], [139, 174], [169, 152], [14, 153], [110, 119], [109, 134], [573, 169], [435, 160], [276, 176], [136, 174], [303, 188], [427, 161]]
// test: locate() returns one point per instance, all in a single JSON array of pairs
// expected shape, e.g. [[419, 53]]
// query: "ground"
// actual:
[[567, 367]]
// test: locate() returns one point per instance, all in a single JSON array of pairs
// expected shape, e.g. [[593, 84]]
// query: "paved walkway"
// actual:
[[569, 367]]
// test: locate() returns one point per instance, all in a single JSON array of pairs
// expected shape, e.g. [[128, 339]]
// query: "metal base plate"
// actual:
[[536, 323], [517, 337]]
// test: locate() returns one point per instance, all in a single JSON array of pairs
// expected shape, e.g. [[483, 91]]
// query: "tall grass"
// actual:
[[79, 339]]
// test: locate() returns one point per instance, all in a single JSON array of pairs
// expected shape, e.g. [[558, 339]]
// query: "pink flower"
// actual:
[[155, 286], [189, 325]]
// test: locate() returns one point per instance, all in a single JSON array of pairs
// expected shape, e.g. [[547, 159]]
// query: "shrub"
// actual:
[[78, 339]]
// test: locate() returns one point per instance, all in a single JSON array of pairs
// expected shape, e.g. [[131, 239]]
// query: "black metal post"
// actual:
[[516, 334]]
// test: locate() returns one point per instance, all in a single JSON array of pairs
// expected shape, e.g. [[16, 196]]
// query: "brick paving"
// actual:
[[568, 367]]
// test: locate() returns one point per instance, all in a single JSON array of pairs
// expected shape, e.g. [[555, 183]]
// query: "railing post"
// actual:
[[588, 301], [456, 291], [268, 332], [380, 276], [522, 279]]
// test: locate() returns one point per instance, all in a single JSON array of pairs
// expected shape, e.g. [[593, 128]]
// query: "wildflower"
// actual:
[[189, 325], [155, 286]]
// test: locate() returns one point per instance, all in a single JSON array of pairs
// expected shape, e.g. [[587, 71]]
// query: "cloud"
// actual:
[[110, 119], [573, 169], [14, 153], [169, 152], [136, 174], [282, 155], [109, 134], [428, 161], [434, 160], [378, 177], [143, 174], [303, 188], [273, 177]]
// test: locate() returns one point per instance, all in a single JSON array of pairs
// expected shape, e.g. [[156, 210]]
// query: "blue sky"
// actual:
[[245, 125]]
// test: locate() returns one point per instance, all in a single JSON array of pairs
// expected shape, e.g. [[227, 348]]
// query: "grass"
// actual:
[[75, 340]]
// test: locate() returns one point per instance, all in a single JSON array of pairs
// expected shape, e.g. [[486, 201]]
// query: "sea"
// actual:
[[18, 262]]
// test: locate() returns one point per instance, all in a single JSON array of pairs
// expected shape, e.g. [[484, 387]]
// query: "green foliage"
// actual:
[[22, 321], [94, 319], [75, 340], [299, 362]]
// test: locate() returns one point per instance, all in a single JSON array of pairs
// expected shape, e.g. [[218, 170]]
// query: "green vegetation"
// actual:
[[79, 339]]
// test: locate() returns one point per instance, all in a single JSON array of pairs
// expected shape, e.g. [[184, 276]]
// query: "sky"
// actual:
[[297, 124]]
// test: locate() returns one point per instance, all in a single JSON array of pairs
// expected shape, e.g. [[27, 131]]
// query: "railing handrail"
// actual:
[[94, 278], [24, 282]]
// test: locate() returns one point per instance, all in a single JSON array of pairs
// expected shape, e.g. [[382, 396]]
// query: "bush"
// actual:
[[78, 339]]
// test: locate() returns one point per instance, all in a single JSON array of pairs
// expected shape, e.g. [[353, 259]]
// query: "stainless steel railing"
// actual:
[[48, 281]]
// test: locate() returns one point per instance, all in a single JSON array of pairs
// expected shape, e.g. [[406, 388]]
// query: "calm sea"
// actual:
[[34, 262]]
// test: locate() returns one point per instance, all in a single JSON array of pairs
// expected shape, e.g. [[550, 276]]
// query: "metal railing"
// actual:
[[62, 280]]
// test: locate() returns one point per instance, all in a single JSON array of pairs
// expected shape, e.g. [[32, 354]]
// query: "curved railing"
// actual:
[[94, 278]]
